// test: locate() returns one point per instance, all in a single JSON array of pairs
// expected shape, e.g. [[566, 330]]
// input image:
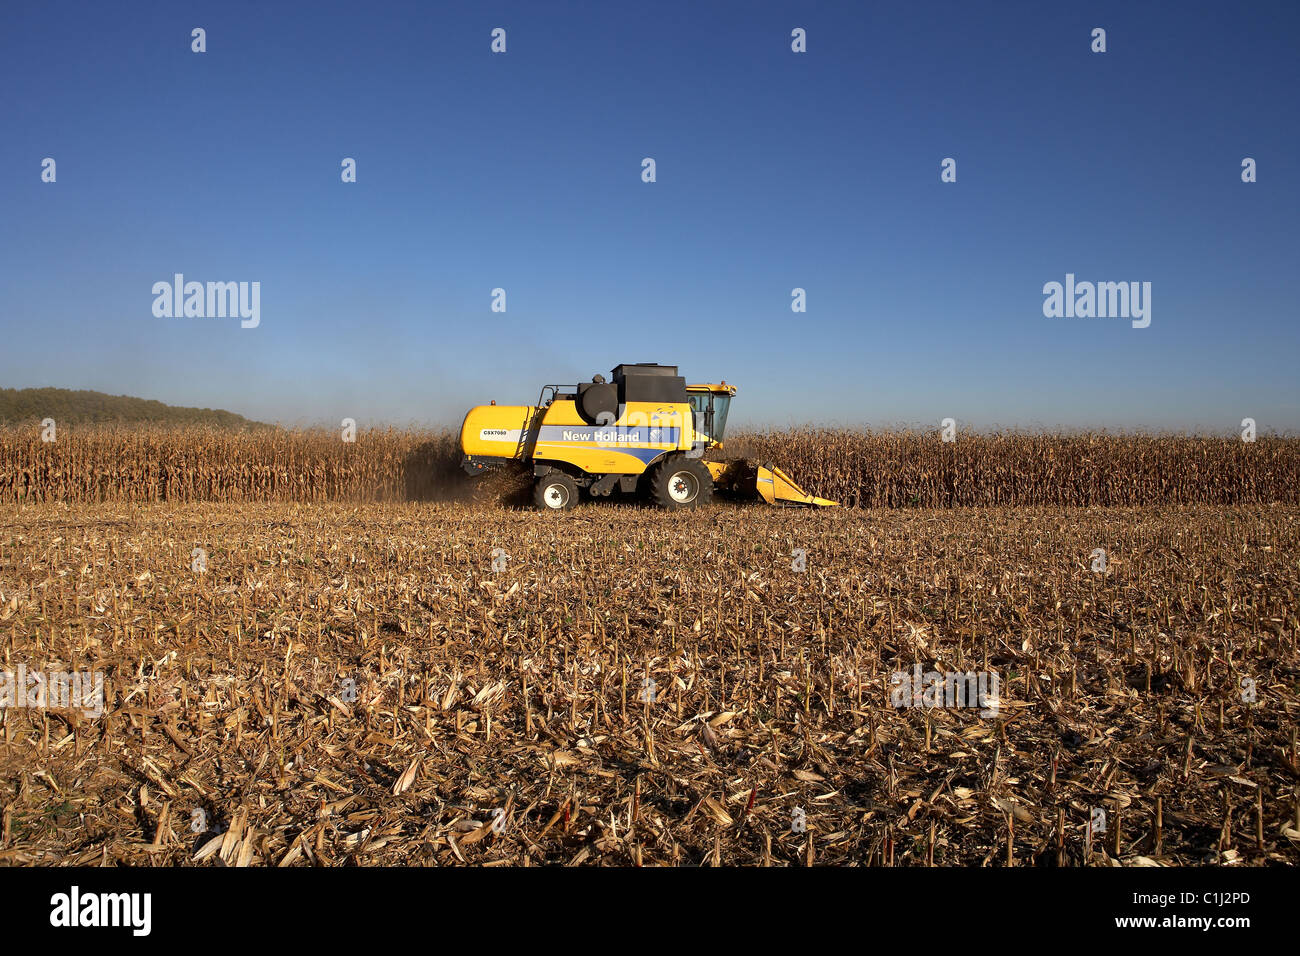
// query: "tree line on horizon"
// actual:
[[23, 406]]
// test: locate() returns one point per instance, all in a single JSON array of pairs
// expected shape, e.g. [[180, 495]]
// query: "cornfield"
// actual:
[[857, 468], [176, 464], [899, 469]]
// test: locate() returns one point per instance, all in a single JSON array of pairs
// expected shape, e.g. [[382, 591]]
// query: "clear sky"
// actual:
[[775, 170]]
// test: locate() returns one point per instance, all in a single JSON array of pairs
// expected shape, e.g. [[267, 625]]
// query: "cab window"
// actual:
[[721, 404], [699, 411]]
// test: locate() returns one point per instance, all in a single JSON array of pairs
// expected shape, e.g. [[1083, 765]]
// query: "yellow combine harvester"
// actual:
[[646, 431]]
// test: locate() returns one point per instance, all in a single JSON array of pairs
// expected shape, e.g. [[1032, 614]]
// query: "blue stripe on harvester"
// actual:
[[612, 436], [643, 455]]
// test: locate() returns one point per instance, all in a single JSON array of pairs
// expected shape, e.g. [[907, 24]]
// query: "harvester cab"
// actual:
[[645, 430], [709, 406]]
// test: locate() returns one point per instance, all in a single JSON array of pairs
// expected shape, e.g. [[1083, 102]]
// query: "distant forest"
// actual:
[[20, 406]]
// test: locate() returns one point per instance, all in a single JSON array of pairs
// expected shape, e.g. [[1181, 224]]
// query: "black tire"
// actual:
[[679, 482], [555, 492]]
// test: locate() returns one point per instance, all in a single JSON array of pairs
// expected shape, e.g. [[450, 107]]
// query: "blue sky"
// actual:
[[775, 170]]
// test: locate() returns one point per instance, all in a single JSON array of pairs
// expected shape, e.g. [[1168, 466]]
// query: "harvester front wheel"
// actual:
[[555, 492], [681, 483]]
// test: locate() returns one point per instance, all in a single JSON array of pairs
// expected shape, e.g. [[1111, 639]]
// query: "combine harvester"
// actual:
[[646, 431]]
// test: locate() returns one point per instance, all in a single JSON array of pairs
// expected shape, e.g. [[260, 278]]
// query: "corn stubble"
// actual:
[[355, 683]]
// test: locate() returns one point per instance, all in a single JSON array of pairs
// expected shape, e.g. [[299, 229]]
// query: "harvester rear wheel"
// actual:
[[681, 482], [555, 492]]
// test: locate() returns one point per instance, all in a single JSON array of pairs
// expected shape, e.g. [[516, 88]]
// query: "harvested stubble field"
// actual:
[[231, 736]]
